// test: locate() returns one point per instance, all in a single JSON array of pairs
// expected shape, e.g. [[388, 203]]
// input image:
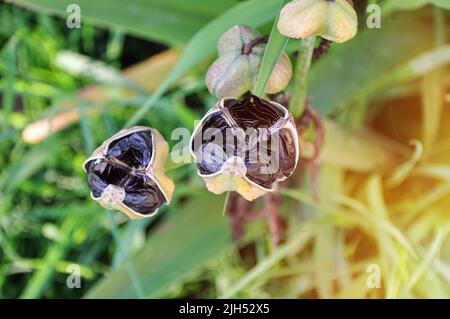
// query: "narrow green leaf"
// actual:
[[275, 46], [390, 6], [351, 70], [201, 233], [9, 61], [168, 21]]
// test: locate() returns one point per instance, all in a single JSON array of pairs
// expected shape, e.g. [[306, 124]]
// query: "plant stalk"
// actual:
[[303, 64]]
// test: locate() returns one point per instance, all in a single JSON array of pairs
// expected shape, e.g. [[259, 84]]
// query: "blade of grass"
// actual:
[[129, 266], [168, 21], [8, 93], [42, 277], [427, 261], [161, 264], [275, 46], [294, 245]]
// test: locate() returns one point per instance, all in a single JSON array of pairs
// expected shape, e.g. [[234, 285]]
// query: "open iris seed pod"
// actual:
[[245, 146], [126, 172]]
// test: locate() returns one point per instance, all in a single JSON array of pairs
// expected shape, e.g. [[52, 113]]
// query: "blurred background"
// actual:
[[380, 228]]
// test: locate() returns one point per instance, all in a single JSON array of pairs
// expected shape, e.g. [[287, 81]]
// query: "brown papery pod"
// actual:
[[245, 146], [126, 172]]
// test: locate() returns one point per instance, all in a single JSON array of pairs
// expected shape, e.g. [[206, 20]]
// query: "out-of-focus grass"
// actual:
[[384, 184]]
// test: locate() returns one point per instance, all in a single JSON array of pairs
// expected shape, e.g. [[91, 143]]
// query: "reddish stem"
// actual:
[[247, 49]]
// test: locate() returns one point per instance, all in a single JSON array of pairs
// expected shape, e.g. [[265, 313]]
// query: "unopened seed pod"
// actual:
[[235, 70], [126, 172], [334, 20], [245, 146]]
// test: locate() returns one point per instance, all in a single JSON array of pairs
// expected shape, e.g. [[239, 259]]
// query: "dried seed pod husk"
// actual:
[[245, 146], [235, 71], [334, 20], [126, 172]]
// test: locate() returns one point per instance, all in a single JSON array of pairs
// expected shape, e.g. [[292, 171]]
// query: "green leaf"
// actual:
[[352, 70], [200, 232], [253, 13], [441, 3], [275, 46], [168, 21], [390, 6], [56, 252], [30, 163]]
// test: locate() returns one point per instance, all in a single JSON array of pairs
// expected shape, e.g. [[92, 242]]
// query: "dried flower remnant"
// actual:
[[245, 146], [235, 71], [126, 172], [334, 20]]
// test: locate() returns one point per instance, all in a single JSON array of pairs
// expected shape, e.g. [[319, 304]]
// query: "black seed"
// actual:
[[249, 113], [143, 195], [124, 166], [96, 184], [212, 158], [101, 173], [135, 149]]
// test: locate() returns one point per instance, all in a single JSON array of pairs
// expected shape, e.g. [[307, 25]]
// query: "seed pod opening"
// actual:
[[127, 172], [245, 146]]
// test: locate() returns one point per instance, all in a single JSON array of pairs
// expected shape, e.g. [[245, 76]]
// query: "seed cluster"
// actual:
[[121, 175], [252, 139]]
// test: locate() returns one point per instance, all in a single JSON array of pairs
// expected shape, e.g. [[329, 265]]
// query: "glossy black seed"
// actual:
[[214, 126], [135, 149], [284, 161], [95, 182], [287, 156], [143, 195], [101, 173]]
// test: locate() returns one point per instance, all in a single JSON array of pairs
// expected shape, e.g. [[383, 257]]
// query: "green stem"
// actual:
[[305, 54], [225, 204]]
